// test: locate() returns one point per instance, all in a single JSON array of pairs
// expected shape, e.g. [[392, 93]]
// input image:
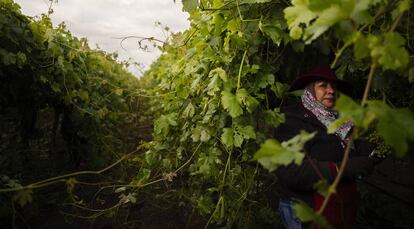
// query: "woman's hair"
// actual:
[[311, 87]]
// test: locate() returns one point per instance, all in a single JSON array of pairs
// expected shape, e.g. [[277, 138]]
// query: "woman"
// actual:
[[323, 153]]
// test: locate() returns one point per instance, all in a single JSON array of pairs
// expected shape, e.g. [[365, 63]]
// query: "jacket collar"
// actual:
[[307, 114]]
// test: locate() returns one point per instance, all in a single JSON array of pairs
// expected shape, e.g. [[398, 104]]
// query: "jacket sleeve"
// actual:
[[301, 177], [304, 176]]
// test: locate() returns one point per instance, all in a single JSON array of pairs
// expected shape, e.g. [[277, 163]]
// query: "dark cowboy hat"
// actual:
[[320, 72]]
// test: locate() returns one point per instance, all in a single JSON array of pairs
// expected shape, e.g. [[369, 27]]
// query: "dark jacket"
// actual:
[[323, 152]]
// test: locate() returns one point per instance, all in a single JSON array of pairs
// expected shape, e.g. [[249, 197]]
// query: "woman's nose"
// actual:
[[330, 89]]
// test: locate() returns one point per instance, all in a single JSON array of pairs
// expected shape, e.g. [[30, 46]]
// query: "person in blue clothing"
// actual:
[[323, 153]]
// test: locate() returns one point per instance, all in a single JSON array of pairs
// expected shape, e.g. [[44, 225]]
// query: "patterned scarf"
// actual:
[[325, 115]]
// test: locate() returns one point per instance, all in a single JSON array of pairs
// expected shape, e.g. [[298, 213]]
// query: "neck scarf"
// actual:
[[325, 115]]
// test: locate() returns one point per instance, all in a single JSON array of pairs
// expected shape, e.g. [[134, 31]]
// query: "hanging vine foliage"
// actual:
[[224, 80], [86, 98]]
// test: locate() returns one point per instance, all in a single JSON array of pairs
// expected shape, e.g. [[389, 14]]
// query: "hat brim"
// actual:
[[303, 81]]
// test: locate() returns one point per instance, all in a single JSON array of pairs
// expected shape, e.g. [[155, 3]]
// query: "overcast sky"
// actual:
[[101, 21]]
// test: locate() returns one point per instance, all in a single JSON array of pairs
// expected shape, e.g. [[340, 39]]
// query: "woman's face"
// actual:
[[325, 93]]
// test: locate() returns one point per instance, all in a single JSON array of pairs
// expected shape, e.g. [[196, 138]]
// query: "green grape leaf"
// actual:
[[214, 85], [204, 165], [360, 14], [361, 46], [83, 94], [163, 123], [234, 25], [119, 91], [393, 137], [166, 163], [190, 5], [296, 15], [394, 55], [325, 20], [150, 157], [247, 132], [254, 1], [248, 101], [273, 30], [231, 104], [143, 174], [236, 136], [251, 104], [227, 137], [320, 5], [130, 198], [189, 111], [403, 6], [196, 134], [238, 139], [389, 53], [265, 80], [280, 89], [306, 214], [274, 117], [204, 135], [273, 154], [297, 143], [241, 95], [322, 187], [200, 133], [219, 72], [23, 197], [350, 110], [396, 126]]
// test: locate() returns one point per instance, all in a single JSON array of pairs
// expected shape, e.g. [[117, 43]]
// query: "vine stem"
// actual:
[[394, 25], [240, 69], [238, 10], [141, 39], [240, 15], [218, 8], [127, 185], [339, 53], [189, 160], [219, 202], [227, 166], [221, 199], [369, 82], [94, 210], [332, 188], [62, 178]]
